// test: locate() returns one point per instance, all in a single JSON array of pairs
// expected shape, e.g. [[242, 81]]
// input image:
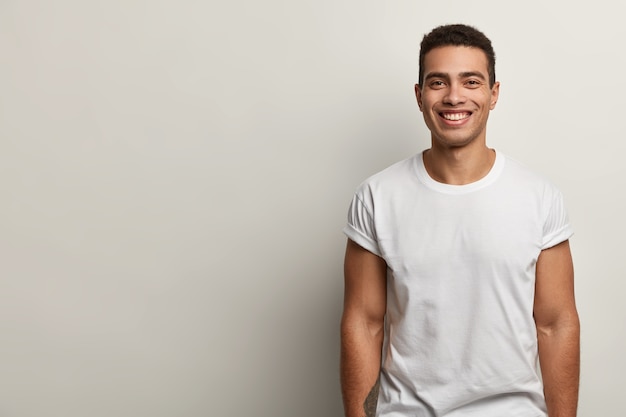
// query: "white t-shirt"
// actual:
[[460, 339]]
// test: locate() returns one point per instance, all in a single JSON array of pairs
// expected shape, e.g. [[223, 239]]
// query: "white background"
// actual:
[[175, 175]]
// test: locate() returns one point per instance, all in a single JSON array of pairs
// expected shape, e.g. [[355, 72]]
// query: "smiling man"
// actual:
[[459, 291]]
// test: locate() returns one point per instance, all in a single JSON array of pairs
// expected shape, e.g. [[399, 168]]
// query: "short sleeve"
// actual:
[[360, 227], [556, 228]]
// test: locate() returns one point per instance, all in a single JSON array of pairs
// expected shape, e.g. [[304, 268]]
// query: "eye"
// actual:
[[437, 84], [473, 83]]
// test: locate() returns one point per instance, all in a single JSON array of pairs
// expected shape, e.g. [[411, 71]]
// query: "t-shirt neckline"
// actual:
[[490, 178]]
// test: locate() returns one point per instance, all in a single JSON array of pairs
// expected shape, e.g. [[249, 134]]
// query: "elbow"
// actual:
[[371, 327], [566, 323]]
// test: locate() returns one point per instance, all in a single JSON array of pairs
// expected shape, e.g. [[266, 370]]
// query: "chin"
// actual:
[[454, 142]]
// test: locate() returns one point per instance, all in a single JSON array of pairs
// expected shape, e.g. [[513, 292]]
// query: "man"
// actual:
[[458, 272]]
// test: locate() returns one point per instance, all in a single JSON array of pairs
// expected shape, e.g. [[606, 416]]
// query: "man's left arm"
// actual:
[[558, 330]]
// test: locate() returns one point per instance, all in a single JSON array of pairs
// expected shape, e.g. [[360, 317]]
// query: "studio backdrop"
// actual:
[[175, 175]]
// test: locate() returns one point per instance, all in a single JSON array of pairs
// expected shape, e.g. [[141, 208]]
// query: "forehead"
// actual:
[[456, 59]]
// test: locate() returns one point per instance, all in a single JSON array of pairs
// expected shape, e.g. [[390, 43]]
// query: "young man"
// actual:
[[458, 273]]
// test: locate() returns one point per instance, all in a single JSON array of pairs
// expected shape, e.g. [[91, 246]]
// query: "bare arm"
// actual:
[[362, 328], [558, 330]]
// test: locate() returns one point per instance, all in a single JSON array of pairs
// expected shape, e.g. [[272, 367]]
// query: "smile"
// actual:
[[455, 116]]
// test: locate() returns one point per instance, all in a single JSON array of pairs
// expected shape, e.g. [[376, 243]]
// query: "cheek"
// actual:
[[425, 103]]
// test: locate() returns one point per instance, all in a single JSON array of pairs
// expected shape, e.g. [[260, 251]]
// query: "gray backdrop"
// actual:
[[175, 176]]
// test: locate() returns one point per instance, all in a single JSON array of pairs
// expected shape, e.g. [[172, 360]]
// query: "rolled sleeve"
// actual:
[[360, 227]]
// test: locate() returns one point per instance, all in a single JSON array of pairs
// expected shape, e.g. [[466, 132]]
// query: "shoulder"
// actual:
[[386, 185], [392, 177], [524, 176]]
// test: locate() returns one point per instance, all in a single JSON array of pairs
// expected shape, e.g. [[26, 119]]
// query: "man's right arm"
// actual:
[[362, 329]]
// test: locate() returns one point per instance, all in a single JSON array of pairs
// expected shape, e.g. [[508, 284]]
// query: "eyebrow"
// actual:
[[470, 74], [466, 74]]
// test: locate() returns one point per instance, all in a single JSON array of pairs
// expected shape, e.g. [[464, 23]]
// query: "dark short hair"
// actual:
[[458, 35]]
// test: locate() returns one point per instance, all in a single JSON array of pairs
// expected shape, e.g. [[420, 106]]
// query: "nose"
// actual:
[[454, 94]]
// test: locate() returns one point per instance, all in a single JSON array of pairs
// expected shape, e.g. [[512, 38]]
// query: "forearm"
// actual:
[[360, 368], [559, 357]]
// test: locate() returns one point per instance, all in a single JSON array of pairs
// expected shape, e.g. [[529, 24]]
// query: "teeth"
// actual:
[[455, 116]]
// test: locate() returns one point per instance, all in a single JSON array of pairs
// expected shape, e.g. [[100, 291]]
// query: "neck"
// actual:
[[460, 165]]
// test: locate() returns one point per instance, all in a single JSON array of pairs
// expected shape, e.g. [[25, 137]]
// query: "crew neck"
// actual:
[[490, 178]]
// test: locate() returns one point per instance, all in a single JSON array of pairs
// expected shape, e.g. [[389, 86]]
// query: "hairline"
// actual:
[[459, 35], [488, 79]]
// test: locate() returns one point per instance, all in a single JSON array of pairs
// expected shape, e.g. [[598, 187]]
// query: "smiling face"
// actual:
[[455, 96]]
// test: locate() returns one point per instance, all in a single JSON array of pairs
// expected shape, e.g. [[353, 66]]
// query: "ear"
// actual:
[[418, 95], [495, 93]]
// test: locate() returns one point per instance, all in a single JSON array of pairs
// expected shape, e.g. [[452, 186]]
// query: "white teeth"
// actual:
[[455, 116]]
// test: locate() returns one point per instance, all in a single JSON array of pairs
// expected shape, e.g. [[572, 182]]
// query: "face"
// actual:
[[455, 96]]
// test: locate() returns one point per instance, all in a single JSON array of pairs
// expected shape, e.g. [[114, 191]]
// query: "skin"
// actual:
[[456, 82], [558, 330], [362, 327]]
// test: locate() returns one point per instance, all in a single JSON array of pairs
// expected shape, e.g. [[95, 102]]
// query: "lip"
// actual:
[[452, 122]]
